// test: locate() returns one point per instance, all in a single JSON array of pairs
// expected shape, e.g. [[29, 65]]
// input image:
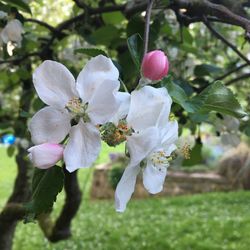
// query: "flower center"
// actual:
[[78, 109], [160, 160]]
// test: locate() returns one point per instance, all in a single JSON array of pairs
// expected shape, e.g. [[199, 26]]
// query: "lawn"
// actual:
[[200, 222]]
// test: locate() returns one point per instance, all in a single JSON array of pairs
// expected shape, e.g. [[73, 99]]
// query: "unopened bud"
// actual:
[[45, 155], [155, 65]]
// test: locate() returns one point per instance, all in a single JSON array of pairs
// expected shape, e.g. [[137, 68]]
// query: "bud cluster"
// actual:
[[114, 135]]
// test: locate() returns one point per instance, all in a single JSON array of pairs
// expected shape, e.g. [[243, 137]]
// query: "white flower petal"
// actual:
[[83, 146], [104, 102], [54, 84], [12, 32], [149, 107], [154, 178], [97, 70], [45, 155], [141, 145], [49, 125], [123, 109], [169, 133], [169, 148], [126, 187]]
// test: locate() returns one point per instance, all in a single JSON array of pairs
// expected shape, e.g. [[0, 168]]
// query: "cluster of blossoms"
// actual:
[[81, 112], [11, 33]]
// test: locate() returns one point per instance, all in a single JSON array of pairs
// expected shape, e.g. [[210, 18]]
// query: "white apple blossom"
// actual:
[[145, 107], [12, 32], [151, 142], [45, 155], [90, 100], [152, 147]]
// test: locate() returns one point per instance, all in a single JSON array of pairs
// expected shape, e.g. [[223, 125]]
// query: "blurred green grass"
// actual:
[[199, 222]]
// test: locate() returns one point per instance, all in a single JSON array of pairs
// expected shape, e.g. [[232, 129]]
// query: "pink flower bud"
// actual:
[[45, 155], [155, 65]]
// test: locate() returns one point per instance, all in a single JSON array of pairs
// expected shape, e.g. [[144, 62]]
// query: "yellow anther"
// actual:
[[186, 151]]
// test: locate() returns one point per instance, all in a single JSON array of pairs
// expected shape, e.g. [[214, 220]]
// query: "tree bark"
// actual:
[[13, 210], [73, 199]]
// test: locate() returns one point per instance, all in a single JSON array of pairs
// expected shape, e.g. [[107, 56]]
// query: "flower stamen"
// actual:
[[185, 150], [160, 160], [78, 108]]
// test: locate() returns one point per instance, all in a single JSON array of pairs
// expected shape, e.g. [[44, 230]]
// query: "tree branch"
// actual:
[[147, 26], [224, 40], [46, 25], [18, 60], [196, 9], [73, 199], [199, 8], [239, 78], [231, 71]]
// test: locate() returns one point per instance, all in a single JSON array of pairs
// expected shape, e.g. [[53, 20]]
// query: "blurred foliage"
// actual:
[[115, 174]]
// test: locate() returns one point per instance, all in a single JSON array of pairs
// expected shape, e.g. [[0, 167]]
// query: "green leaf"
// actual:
[[91, 51], [199, 117], [206, 69], [105, 35], [46, 184], [135, 25], [189, 49], [179, 95], [114, 18], [187, 36], [135, 46], [217, 97], [19, 4]]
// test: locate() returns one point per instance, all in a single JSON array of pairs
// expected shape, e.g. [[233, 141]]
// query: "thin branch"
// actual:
[[147, 25], [204, 7], [46, 25], [224, 40], [231, 71], [18, 60], [239, 78]]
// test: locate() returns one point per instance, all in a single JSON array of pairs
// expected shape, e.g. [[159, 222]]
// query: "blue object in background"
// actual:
[[8, 139]]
